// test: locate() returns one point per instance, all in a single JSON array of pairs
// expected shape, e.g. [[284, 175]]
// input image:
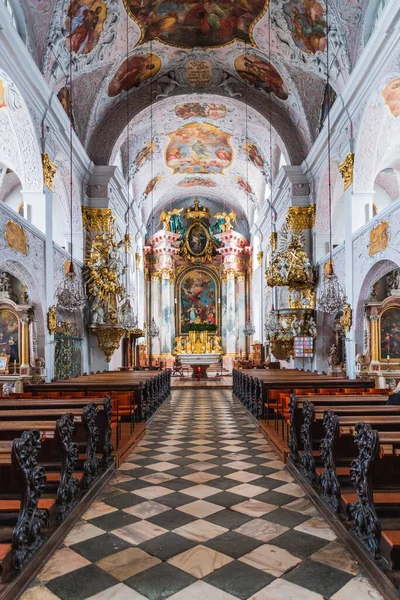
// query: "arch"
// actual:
[[378, 141], [19, 149], [376, 272], [108, 130], [35, 291]]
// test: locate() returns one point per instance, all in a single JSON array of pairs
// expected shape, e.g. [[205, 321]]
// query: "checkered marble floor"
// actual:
[[202, 510]]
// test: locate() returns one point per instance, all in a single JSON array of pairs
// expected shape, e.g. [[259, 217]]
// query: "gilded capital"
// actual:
[[301, 217], [98, 220], [346, 170], [49, 170]]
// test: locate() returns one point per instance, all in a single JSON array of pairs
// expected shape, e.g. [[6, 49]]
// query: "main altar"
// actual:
[[198, 275]]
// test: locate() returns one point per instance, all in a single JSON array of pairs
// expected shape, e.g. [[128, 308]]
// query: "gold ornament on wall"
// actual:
[[273, 241], [379, 238], [108, 338], [290, 266], [302, 297], [96, 220], [301, 217], [137, 259], [260, 256], [346, 170], [52, 319], [346, 319], [327, 267], [49, 170], [15, 237]]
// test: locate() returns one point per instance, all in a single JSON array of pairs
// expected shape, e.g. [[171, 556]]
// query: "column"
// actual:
[[241, 311], [230, 314], [223, 312], [49, 275], [166, 313], [155, 312], [346, 170]]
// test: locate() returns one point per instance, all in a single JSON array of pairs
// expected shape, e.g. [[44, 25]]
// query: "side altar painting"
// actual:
[[197, 300], [390, 333], [9, 336]]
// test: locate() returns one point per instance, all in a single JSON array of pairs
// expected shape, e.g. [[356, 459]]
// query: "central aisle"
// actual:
[[202, 510]]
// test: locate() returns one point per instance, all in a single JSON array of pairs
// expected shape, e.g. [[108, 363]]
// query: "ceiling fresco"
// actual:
[[196, 64], [197, 181], [261, 74], [84, 23], [391, 96], [198, 109], [199, 148], [196, 24], [132, 72], [306, 22]]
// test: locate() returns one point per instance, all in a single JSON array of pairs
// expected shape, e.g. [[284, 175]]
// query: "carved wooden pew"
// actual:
[[359, 474], [297, 426], [24, 517], [91, 434]]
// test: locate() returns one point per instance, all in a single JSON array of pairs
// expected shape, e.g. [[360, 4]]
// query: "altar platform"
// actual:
[[211, 383]]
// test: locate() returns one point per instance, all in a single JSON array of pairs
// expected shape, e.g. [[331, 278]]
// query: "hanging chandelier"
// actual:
[[127, 318], [332, 297], [70, 294], [249, 328], [153, 330]]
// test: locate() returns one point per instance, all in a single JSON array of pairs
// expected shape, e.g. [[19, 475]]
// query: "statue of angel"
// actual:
[[223, 223], [171, 221]]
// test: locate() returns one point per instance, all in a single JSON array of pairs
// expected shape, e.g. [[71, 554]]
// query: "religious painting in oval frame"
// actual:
[[198, 291], [197, 239]]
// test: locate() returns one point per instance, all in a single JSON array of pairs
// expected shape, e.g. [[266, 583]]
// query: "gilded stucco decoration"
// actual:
[[328, 267], [346, 319], [379, 238], [52, 319], [302, 297], [346, 170], [15, 237], [301, 217], [96, 220], [49, 170], [273, 241], [290, 265]]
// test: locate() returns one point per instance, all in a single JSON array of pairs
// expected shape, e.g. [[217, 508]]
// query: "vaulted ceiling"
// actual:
[[199, 84]]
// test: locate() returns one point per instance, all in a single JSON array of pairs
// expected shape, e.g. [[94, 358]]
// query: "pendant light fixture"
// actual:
[[70, 294], [127, 318], [332, 297]]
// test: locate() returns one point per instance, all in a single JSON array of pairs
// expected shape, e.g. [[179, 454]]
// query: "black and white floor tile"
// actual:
[[202, 510]]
